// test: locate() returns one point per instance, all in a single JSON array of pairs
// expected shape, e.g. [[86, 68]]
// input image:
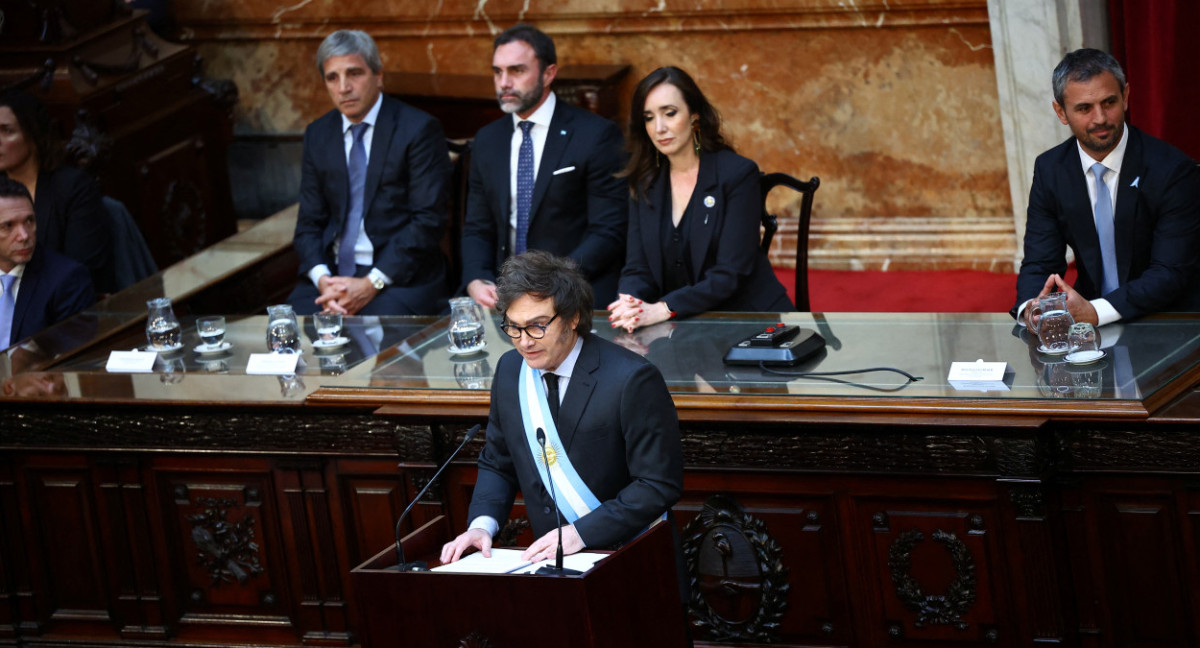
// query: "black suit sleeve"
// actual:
[[603, 244], [315, 211], [1045, 239], [72, 295], [496, 485], [1175, 244], [637, 279], [423, 219], [479, 224], [654, 458]]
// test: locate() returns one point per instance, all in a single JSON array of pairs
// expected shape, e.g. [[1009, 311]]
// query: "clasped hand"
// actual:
[[1080, 308], [629, 312], [345, 295]]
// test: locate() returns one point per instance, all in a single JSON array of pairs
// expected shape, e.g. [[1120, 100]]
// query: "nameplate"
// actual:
[[978, 376], [272, 364], [130, 362]]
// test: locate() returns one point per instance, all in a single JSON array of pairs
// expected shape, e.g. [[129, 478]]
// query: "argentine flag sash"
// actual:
[[575, 499]]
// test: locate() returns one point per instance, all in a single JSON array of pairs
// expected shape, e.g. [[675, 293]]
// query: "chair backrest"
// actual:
[[770, 222]]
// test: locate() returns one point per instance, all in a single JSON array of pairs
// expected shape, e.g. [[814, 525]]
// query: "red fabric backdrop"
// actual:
[[1158, 44]]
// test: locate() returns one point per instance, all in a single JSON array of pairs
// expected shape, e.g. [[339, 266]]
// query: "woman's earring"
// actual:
[[696, 139]]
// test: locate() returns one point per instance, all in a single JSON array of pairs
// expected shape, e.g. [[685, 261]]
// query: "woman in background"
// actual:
[[694, 218], [70, 216]]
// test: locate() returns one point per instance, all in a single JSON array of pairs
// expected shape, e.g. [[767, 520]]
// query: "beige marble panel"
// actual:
[[893, 104]]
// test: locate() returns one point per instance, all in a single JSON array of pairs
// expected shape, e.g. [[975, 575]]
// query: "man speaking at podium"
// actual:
[[609, 426]]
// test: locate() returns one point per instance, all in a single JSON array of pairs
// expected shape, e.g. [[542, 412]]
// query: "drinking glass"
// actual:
[[163, 332], [1053, 322], [466, 326], [212, 330], [329, 326], [283, 330], [1083, 337]]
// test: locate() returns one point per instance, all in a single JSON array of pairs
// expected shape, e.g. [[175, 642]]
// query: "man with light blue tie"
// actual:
[[38, 287], [373, 193], [1126, 203]]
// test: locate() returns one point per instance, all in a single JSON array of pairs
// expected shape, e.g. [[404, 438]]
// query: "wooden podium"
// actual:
[[630, 598]]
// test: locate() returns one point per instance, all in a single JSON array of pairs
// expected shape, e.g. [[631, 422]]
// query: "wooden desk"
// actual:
[[851, 514]]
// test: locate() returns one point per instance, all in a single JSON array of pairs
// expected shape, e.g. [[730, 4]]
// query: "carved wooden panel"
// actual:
[[62, 538], [1137, 535], [935, 565], [225, 557], [373, 497]]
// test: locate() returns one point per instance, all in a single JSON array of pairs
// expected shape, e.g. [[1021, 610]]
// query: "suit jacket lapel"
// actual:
[[707, 186], [338, 189], [381, 141], [1082, 221], [1125, 215], [556, 144], [658, 201], [579, 391], [26, 294]]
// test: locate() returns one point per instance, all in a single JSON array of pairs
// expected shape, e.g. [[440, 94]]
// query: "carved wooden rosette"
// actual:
[[739, 583]]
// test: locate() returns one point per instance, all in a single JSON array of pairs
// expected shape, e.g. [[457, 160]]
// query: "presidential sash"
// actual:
[[575, 499]]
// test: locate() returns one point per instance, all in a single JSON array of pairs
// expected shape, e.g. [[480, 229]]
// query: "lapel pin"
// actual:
[[1135, 181], [706, 218], [709, 201], [562, 132]]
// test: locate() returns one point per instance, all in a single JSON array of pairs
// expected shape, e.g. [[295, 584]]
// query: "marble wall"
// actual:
[[892, 103]]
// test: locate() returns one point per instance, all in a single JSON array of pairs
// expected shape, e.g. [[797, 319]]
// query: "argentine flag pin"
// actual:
[[1135, 181], [709, 201]]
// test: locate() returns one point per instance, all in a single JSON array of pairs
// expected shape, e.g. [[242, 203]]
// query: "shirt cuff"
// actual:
[[1105, 313], [376, 273], [318, 271], [487, 523], [1021, 312]]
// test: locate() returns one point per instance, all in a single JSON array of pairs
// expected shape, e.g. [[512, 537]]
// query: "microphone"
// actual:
[[421, 565], [557, 569]]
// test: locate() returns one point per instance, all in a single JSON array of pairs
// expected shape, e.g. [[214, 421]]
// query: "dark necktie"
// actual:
[[524, 186], [552, 395], [1105, 230], [8, 307], [356, 170]]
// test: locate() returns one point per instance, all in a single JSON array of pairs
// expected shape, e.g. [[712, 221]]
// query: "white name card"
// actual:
[[978, 376], [130, 362], [272, 364]]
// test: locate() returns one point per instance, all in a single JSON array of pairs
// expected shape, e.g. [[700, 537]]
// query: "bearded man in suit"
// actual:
[[1128, 204], [373, 190], [544, 178]]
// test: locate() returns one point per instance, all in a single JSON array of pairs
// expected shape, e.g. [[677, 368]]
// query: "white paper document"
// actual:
[[508, 561]]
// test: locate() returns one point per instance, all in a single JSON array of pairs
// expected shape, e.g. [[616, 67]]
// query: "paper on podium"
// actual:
[[508, 561]]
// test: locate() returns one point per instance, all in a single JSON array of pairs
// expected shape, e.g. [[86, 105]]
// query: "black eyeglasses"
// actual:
[[534, 331]]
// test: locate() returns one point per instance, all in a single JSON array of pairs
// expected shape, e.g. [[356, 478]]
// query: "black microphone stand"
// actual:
[[557, 569], [421, 565]]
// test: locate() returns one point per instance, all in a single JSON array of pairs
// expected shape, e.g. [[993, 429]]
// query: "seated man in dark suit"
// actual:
[[38, 287], [1126, 203], [543, 179], [372, 194], [609, 423]]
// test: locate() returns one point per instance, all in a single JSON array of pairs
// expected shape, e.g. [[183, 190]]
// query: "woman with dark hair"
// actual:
[[693, 241], [70, 216]]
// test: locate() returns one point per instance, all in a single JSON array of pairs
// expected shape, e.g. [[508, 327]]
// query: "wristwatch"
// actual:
[[377, 282]]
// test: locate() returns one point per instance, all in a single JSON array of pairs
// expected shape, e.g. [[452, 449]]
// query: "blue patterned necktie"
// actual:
[[524, 186], [8, 306], [1104, 229], [356, 169]]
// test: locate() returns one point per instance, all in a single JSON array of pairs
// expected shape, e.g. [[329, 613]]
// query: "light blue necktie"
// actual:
[[524, 186], [356, 169], [1104, 229], [8, 306]]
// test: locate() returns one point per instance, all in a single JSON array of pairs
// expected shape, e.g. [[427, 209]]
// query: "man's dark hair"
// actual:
[[10, 188], [543, 45], [542, 275], [1080, 66]]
